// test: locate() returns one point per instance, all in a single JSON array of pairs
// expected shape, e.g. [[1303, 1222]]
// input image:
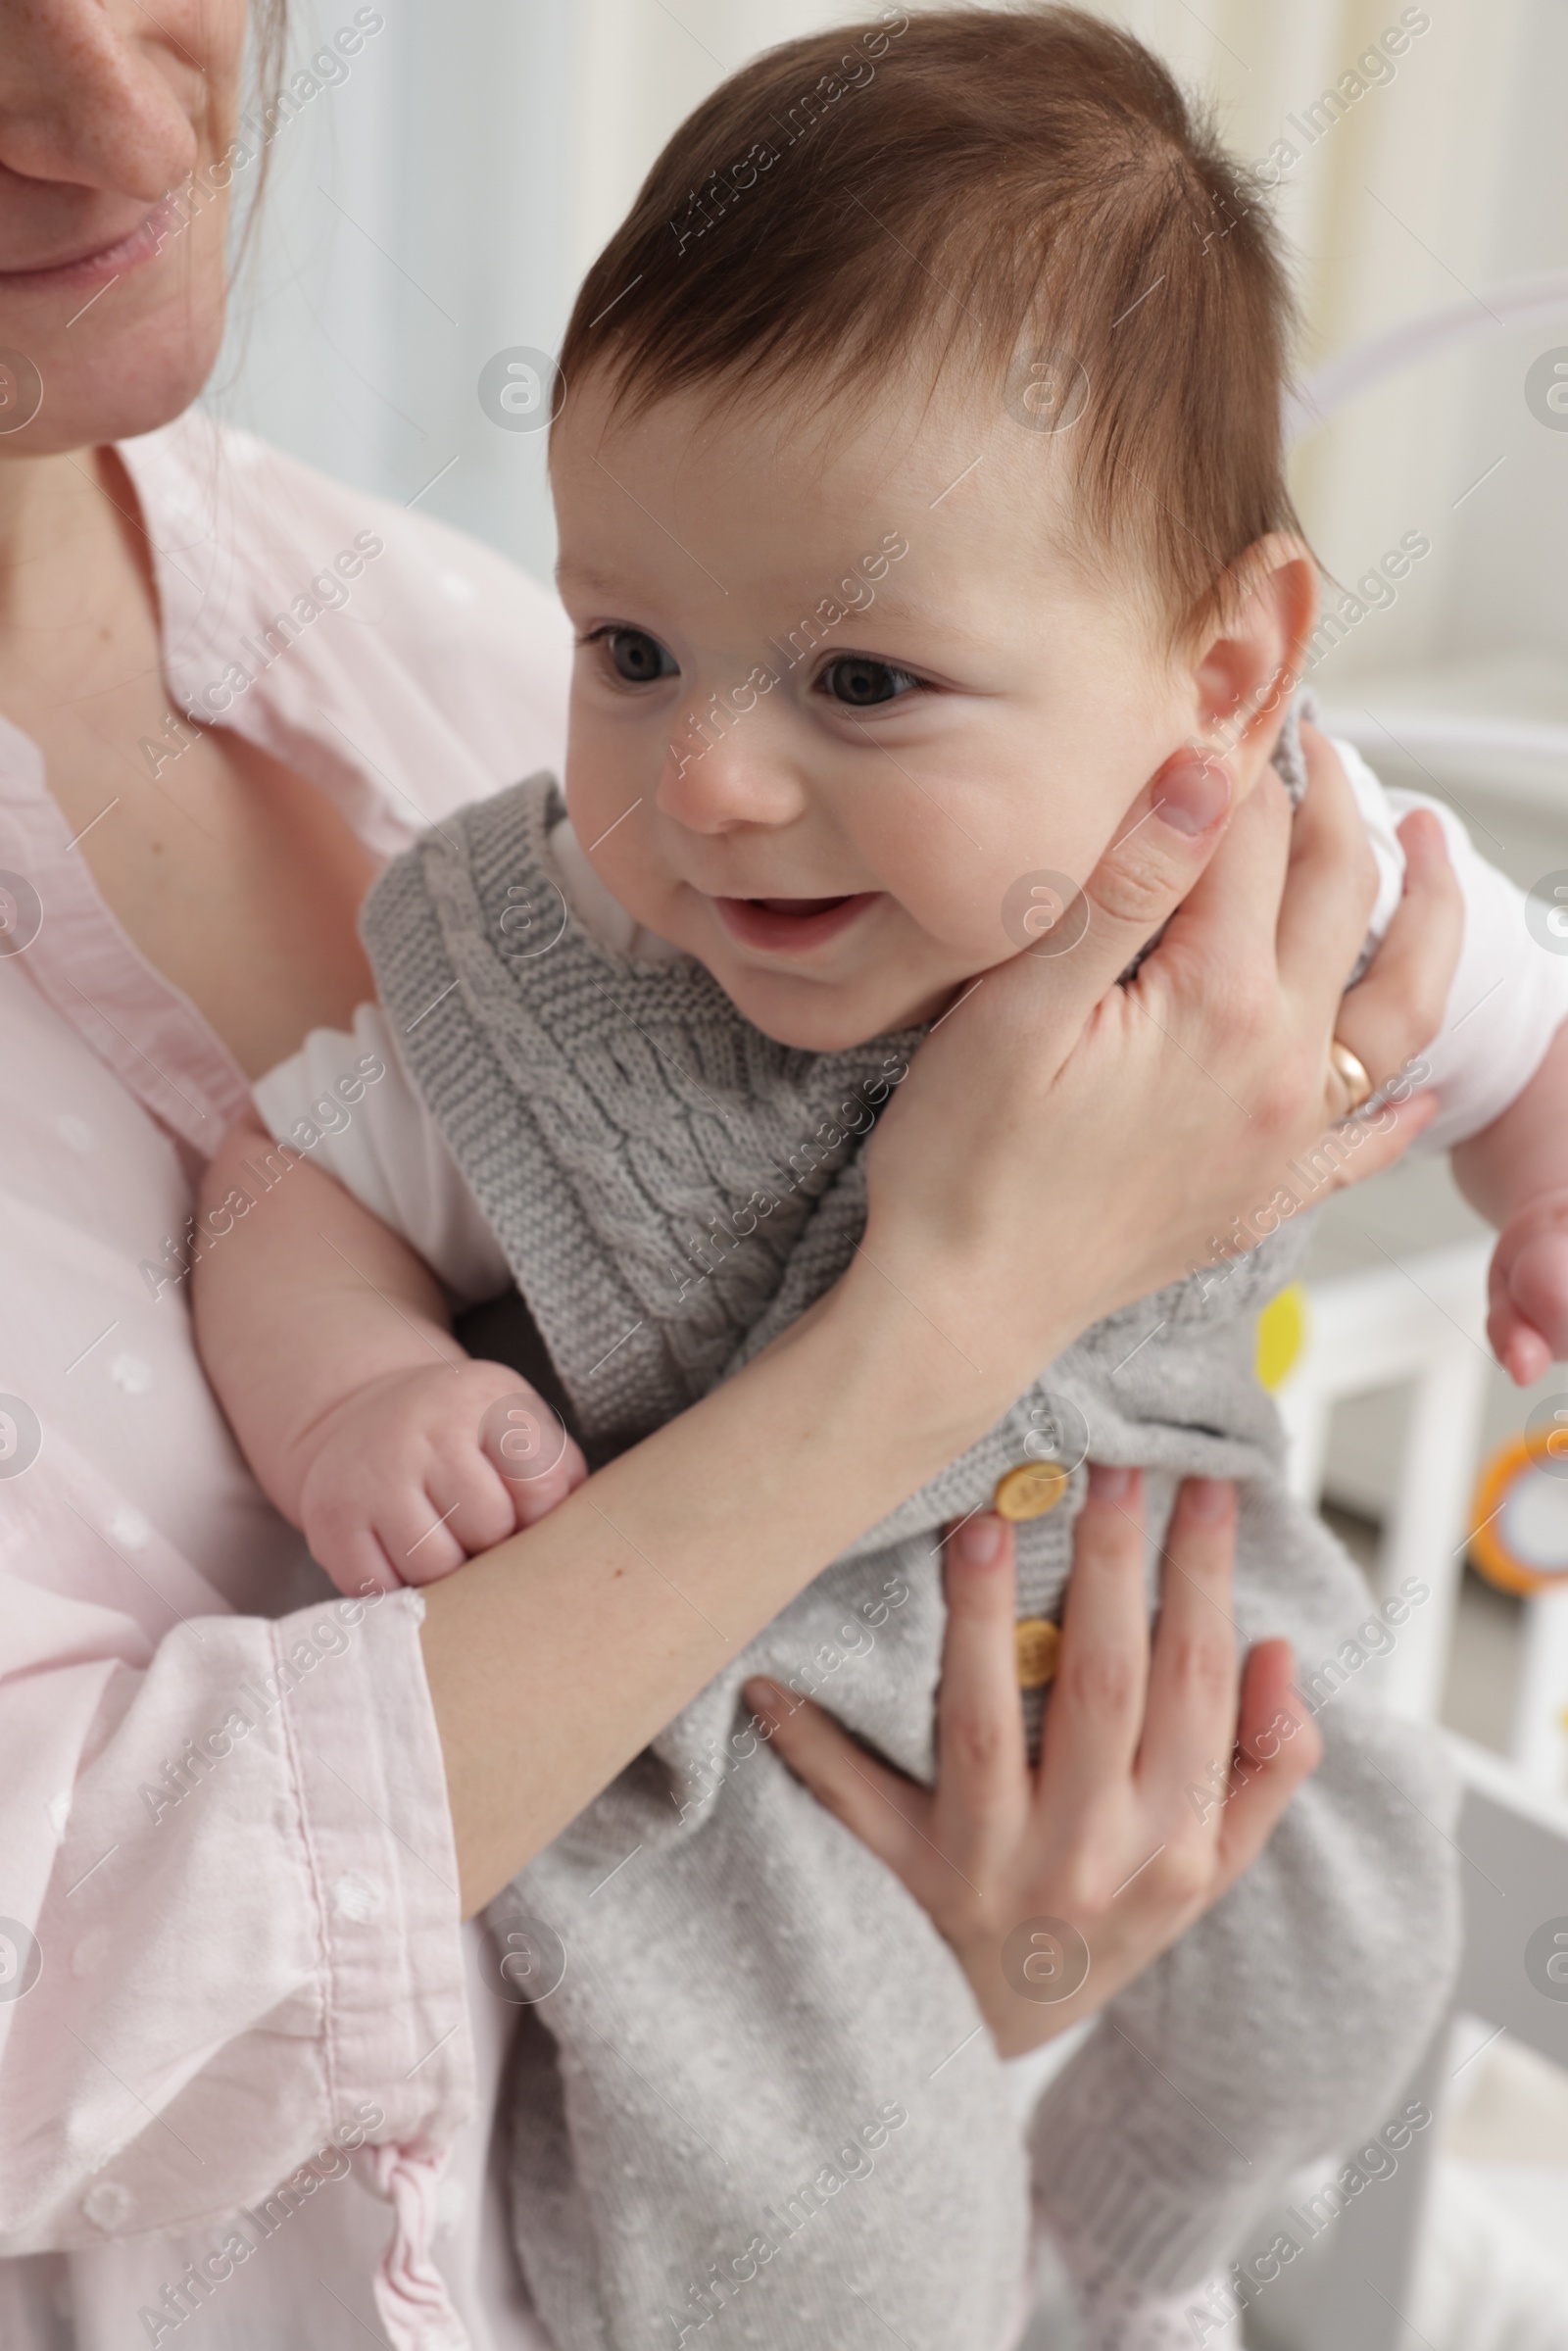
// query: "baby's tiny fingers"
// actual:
[[358, 1565], [1538, 1288], [1521, 1350], [523, 1437], [533, 1498], [417, 1538], [1524, 1350]]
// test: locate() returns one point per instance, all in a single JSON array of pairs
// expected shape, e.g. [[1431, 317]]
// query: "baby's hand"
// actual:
[[1528, 1320], [416, 1472]]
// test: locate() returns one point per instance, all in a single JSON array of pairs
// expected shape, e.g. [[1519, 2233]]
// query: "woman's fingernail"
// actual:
[[979, 1538], [1209, 1498], [1191, 793], [1108, 1483]]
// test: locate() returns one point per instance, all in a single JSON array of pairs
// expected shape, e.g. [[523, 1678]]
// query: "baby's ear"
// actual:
[[1247, 660]]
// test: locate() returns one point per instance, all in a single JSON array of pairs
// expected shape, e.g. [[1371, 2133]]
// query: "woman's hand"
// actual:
[[1162, 1776], [1064, 1146]]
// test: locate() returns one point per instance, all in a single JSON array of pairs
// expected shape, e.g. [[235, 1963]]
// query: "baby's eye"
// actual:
[[858, 682], [637, 659]]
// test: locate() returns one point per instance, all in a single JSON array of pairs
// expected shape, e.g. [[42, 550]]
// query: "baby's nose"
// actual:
[[723, 770]]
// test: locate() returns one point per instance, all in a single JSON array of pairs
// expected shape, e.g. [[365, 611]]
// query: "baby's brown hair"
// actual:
[[1026, 190]]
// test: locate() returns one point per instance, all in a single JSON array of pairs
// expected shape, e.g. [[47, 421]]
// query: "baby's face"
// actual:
[[920, 699]]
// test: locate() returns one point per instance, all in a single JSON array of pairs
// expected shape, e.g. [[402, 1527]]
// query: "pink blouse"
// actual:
[[229, 1948]]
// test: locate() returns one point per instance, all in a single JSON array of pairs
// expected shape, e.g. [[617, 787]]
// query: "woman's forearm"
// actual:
[[553, 1658]]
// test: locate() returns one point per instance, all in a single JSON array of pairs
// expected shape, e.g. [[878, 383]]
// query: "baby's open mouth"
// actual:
[[792, 924], [799, 907]]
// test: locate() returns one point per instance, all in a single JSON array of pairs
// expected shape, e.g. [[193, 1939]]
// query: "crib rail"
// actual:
[[1422, 1325]]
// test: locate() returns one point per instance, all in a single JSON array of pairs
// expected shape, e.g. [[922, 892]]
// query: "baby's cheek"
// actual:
[[1006, 879], [973, 923]]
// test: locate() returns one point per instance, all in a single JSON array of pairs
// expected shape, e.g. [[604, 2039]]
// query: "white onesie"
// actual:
[[1507, 1001]]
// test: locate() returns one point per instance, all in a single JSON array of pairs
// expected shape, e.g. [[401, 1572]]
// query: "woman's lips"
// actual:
[[117, 260], [790, 925]]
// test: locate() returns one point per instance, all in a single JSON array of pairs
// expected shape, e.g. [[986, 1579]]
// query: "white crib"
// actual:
[[1423, 1325]]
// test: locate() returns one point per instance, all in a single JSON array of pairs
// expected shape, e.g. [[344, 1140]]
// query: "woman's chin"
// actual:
[[138, 373]]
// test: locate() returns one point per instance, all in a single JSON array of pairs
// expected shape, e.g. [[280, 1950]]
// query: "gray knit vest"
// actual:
[[759, 2094]]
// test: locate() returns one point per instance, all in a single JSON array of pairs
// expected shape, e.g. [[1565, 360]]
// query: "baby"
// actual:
[[919, 485]]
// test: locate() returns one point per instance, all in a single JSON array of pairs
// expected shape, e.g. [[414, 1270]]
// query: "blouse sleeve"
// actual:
[[220, 1954]]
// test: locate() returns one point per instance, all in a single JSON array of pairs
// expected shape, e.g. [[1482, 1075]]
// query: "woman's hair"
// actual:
[[268, 55], [1026, 192]]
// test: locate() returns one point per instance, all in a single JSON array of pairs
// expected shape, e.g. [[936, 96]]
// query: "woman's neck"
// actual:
[[72, 555], [61, 538]]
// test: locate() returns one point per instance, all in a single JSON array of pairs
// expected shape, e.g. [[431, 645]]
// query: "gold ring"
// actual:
[[1351, 1073]]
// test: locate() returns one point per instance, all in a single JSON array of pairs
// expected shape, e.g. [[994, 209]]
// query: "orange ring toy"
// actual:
[[1509, 1466]]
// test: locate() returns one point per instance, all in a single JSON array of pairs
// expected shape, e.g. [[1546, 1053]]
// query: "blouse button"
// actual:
[[1030, 1490], [358, 1898]]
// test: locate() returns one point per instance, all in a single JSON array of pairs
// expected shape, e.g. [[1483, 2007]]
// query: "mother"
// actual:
[[221, 1955]]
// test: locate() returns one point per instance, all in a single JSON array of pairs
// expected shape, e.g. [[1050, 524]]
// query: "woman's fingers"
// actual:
[[1397, 1009], [1190, 1728], [983, 1782], [1097, 1701], [879, 1806], [1161, 847], [1358, 1147], [1279, 1745], [1225, 929]]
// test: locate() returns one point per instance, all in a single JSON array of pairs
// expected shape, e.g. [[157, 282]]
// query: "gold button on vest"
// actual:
[[1038, 1645], [1030, 1490]]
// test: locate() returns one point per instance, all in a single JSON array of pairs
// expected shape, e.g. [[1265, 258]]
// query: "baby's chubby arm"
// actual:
[[1516, 1171], [327, 1341]]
